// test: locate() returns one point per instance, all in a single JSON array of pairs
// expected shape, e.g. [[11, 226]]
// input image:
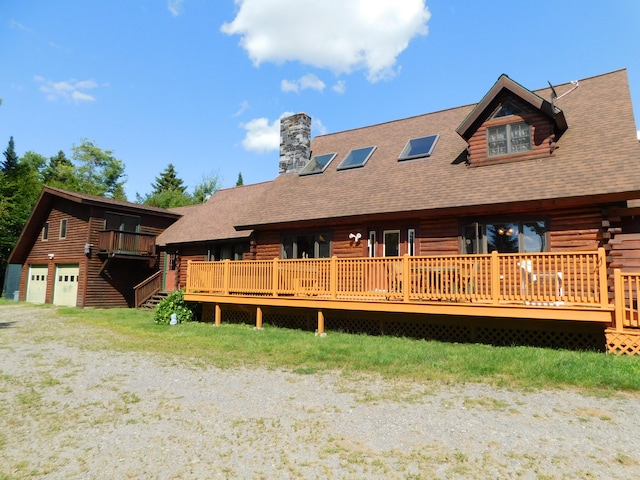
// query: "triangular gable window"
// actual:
[[506, 109]]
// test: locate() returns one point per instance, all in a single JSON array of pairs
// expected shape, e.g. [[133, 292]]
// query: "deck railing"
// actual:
[[128, 243], [147, 289], [576, 278], [627, 288]]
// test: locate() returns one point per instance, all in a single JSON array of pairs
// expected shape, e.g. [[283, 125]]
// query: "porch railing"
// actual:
[[577, 278], [129, 243], [147, 289], [627, 299]]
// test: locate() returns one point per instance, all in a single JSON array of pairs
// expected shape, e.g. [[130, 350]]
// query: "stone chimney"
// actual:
[[295, 142]]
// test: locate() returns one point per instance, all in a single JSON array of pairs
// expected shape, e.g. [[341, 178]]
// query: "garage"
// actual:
[[65, 288], [37, 284]]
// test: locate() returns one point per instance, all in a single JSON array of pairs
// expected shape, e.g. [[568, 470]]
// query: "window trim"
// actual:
[[371, 245], [508, 139], [316, 244], [303, 172], [64, 225], [342, 165], [407, 148], [45, 232], [411, 241], [481, 227], [384, 242]]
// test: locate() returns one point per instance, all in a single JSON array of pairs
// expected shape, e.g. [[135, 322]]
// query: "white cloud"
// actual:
[[339, 35], [318, 126], [309, 81], [262, 136], [340, 87], [638, 133], [244, 106], [69, 90], [19, 26], [175, 7]]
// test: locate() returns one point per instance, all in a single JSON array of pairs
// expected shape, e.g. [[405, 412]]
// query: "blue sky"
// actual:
[[202, 83]]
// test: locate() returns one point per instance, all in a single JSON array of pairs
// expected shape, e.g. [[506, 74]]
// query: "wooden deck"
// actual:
[[544, 286]]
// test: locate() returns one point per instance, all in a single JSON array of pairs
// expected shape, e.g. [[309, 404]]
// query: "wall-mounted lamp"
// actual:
[[355, 237], [87, 248], [51, 255]]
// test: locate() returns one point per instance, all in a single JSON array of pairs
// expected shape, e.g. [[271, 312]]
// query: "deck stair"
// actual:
[[153, 302]]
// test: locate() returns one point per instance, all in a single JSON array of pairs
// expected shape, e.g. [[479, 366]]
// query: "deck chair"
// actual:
[[469, 278], [395, 277]]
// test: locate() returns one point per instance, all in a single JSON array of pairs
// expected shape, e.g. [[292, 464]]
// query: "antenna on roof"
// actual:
[[554, 95]]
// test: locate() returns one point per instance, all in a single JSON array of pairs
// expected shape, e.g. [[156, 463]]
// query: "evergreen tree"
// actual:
[[58, 171], [168, 180], [239, 182], [10, 159]]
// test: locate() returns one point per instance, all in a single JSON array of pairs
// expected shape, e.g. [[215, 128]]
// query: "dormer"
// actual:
[[511, 124]]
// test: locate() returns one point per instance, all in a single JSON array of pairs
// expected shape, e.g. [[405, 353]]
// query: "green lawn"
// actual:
[[390, 357]]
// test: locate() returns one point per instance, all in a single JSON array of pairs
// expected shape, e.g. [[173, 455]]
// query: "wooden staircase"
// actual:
[[152, 302]]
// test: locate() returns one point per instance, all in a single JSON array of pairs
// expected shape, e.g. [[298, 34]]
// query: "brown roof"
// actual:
[[215, 219], [597, 156]]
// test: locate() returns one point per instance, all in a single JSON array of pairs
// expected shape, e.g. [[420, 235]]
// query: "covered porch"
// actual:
[[564, 287]]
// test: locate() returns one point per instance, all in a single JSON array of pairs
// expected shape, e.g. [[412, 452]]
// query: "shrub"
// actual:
[[174, 303]]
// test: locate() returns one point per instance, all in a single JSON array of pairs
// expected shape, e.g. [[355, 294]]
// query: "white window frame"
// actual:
[[372, 244], [63, 231], [411, 241]]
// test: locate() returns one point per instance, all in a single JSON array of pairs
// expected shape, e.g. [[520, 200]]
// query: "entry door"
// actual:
[[65, 289], [37, 284]]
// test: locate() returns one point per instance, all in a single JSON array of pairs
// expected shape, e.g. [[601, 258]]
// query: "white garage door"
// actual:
[[37, 284], [65, 288]]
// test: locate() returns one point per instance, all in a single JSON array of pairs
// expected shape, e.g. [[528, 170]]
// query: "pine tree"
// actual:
[[168, 181], [10, 159], [58, 171], [239, 182]]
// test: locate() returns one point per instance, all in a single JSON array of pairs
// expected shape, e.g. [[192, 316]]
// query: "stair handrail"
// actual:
[[147, 288]]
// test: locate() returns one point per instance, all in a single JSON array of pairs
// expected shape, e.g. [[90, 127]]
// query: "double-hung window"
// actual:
[[508, 139], [63, 228]]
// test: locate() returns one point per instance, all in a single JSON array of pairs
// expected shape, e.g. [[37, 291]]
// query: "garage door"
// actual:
[[37, 284], [65, 288]]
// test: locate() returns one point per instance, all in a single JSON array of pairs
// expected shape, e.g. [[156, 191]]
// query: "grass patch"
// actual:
[[231, 345]]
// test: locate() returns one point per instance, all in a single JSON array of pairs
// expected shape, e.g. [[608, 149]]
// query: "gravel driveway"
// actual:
[[71, 412]]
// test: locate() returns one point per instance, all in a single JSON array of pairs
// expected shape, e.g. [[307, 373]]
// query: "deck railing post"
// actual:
[[618, 298], [602, 273], [406, 276], [495, 277], [189, 286], [333, 277], [274, 277], [227, 277]]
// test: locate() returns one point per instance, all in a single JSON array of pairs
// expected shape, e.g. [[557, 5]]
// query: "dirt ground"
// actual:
[[67, 411]]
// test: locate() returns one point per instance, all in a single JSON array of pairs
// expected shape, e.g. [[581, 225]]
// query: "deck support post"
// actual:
[[218, 315], [320, 332], [259, 318]]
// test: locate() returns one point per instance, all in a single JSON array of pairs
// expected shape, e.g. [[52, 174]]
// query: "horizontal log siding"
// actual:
[[344, 247], [194, 253], [541, 139], [438, 237], [575, 230], [625, 252], [268, 245]]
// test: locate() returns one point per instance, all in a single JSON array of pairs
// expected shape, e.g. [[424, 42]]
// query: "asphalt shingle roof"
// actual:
[[598, 155]]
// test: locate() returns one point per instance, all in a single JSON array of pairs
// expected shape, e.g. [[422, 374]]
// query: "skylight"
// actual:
[[356, 158], [318, 164], [419, 147]]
